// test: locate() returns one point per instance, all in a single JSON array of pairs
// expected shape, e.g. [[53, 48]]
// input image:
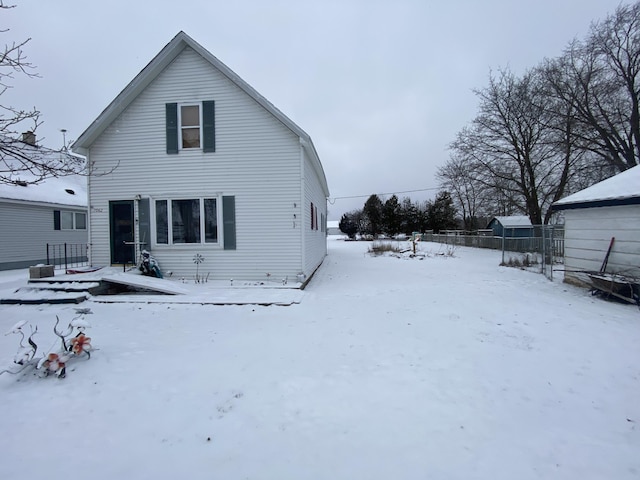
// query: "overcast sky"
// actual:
[[382, 87]]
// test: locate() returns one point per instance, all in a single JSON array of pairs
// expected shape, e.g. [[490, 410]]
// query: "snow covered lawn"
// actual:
[[442, 368]]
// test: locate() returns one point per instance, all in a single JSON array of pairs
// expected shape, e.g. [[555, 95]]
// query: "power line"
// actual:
[[333, 200]]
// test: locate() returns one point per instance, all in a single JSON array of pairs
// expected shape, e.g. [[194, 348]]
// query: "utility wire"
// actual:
[[332, 201]]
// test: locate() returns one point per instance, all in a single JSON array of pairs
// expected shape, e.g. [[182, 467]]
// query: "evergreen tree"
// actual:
[[410, 217], [348, 225], [391, 216], [442, 213], [373, 212]]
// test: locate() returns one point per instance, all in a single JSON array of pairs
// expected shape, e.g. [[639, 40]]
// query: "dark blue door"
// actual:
[[121, 227]]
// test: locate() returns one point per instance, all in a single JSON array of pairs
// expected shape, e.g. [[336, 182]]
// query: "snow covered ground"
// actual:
[[442, 368]]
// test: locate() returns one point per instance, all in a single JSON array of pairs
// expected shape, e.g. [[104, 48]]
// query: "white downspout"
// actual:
[[303, 209], [89, 242]]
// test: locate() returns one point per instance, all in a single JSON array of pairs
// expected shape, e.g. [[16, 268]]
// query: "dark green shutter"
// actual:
[[209, 126], [172, 127], [144, 224], [56, 219], [229, 222]]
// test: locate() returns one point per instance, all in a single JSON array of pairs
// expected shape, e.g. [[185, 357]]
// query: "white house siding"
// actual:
[[588, 232], [257, 160], [315, 241], [26, 230]]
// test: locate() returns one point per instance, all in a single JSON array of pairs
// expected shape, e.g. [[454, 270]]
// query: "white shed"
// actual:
[[41, 218], [595, 215], [199, 165]]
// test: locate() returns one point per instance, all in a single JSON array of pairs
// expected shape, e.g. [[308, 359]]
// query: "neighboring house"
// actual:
[[518, 226], [609, 209], [203, 164], [52, 211]]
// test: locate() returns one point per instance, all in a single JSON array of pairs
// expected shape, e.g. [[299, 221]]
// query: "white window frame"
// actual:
[[201, 199], [181, 127], [74, 220]]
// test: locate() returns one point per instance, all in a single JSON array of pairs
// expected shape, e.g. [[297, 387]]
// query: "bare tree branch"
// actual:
[[24, 162]]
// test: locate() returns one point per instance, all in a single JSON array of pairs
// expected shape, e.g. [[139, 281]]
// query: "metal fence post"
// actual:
[[544, 250], [551, 253]]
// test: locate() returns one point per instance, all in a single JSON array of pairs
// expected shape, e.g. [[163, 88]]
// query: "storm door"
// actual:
[[121, 228]]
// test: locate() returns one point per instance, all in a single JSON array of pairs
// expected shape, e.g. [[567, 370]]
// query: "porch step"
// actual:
[[38, 297], [64, 286], [40, 292]]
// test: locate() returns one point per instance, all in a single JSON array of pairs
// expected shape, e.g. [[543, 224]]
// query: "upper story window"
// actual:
[[190, 126]]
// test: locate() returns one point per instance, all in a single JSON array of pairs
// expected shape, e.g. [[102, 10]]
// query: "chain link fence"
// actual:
[[541, 249]]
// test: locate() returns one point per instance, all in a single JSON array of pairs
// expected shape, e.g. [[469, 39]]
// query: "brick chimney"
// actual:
[[29, 138]]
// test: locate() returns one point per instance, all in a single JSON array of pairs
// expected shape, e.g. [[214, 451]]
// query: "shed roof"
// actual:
[[621, 189], [156, 66], [514, 221]]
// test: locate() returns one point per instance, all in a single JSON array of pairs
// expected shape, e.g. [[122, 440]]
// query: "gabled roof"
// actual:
[[621, 189], [155, 67], [514, 221]]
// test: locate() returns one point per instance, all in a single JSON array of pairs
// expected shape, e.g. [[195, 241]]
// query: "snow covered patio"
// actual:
[[442, 368]]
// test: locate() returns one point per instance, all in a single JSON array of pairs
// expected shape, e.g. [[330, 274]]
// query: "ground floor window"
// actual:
[[66, 220], [189, 220]]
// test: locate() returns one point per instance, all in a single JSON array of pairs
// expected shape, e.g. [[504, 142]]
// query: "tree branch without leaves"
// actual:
[[23, 162]]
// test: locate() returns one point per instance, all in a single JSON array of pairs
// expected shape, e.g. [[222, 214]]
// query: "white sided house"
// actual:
[[41, 218], [203, 167], [595, 215]]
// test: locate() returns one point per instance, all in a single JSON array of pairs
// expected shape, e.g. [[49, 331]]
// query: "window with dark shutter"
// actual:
[[56, 219]]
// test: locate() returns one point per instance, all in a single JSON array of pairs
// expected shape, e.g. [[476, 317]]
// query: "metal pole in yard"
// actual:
[[48, 255], [544, 248], [552, 253], [65, 257]]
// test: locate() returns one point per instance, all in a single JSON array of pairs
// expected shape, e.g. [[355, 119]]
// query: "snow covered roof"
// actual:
[[621, 189], [67, 191], [167, 55], [514, 221]]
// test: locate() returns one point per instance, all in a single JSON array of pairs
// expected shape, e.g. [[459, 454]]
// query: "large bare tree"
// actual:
[[471, 197], [509, 144], [599, 81]]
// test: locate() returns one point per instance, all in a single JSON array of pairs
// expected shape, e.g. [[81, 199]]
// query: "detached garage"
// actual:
[[596, 215]]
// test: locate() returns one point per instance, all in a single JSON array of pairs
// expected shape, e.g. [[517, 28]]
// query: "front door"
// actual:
[[121, 226]]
